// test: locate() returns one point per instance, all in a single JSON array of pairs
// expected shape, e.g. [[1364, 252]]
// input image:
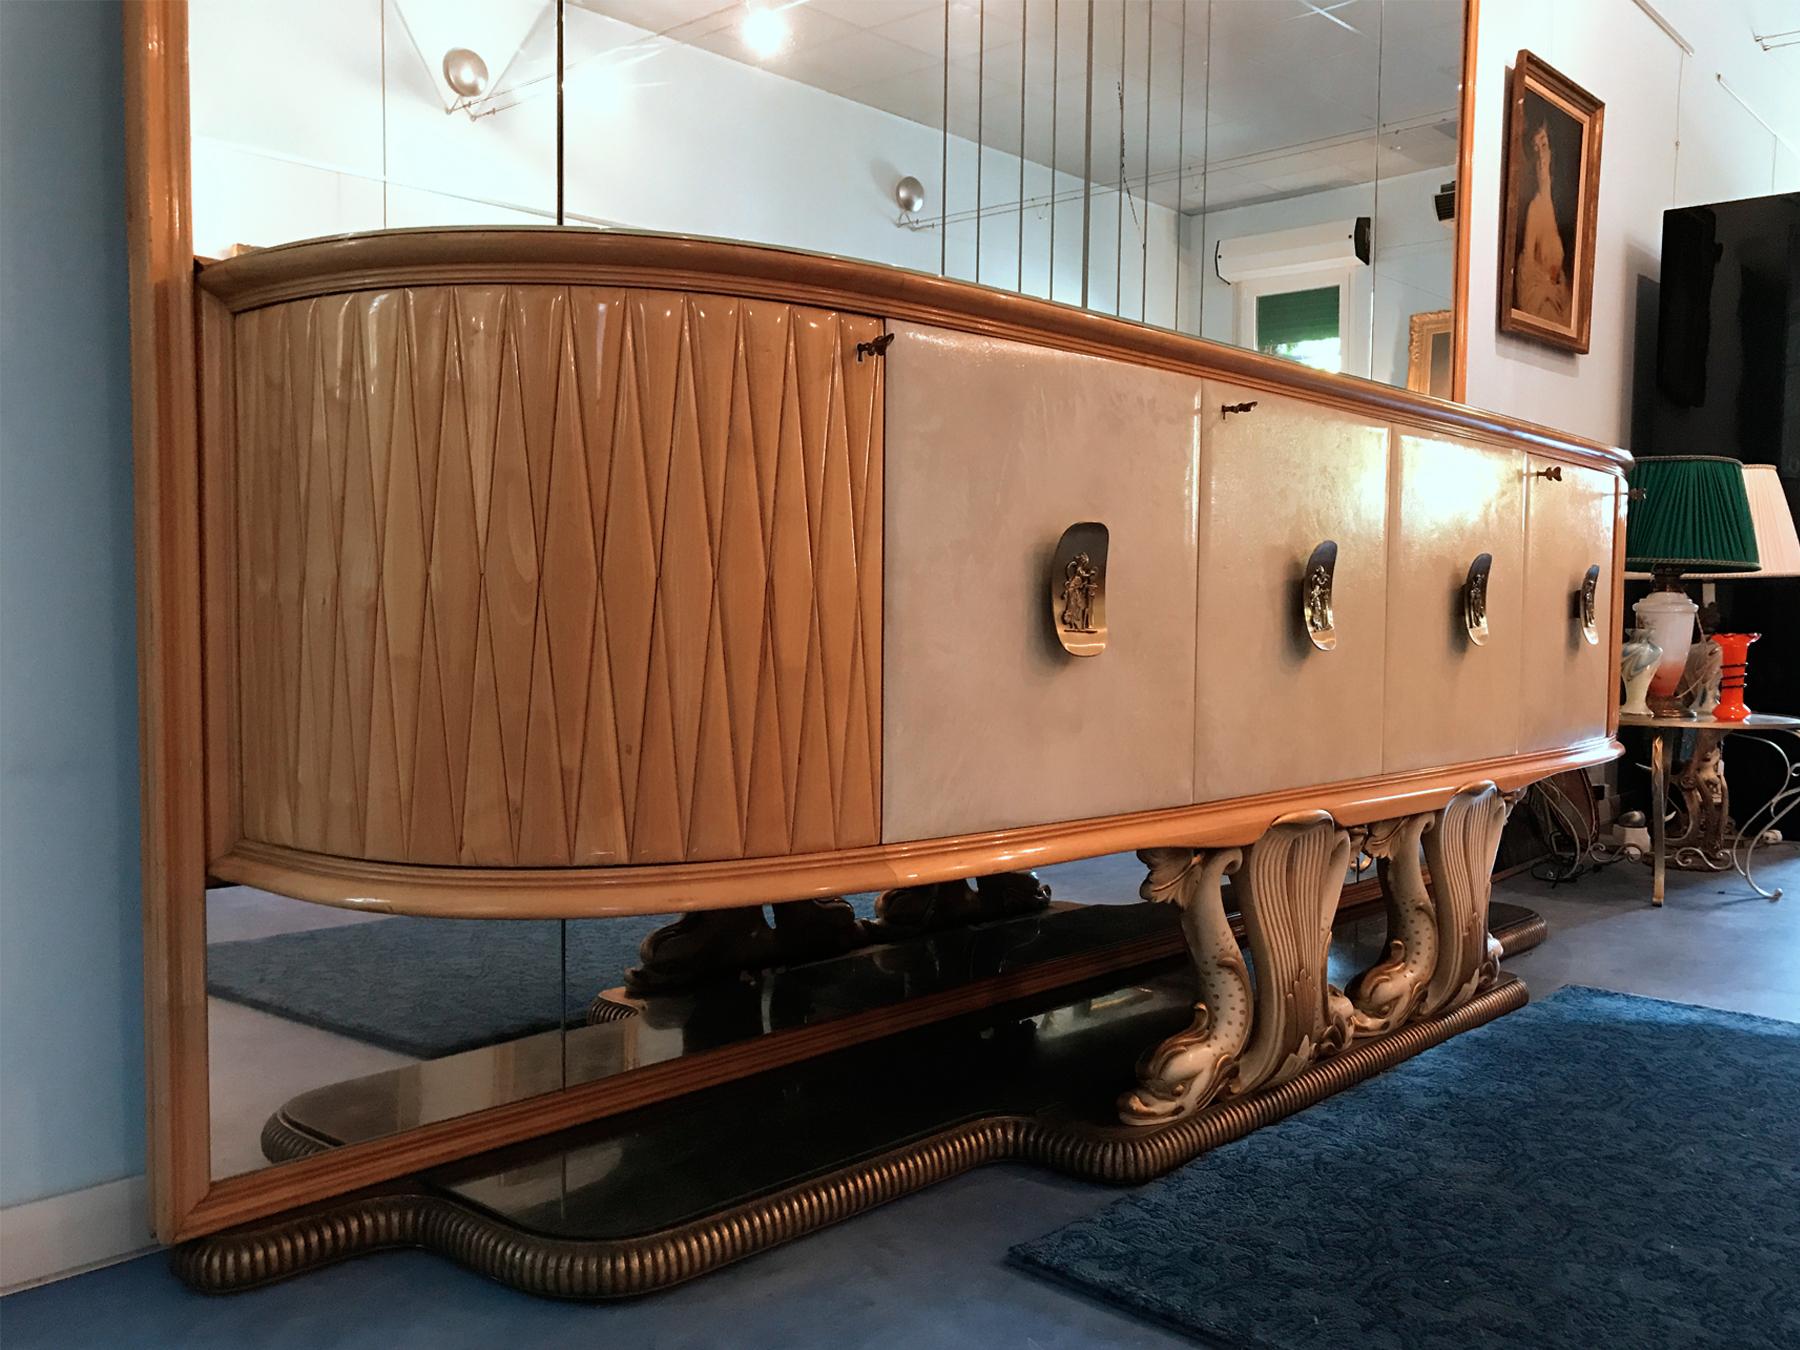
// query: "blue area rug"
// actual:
[[434, 987], [1597, 1170]]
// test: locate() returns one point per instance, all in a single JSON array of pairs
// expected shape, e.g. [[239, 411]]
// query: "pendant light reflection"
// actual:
[[765, 31], [465, 72]]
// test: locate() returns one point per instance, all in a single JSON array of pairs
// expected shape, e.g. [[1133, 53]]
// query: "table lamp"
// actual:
[[1777, 543], [1778, 547], [1692, 519]]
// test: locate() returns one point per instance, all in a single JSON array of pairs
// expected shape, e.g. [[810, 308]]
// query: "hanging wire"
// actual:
[[980, 106], [1055, 79], [1180, 166], [1149, 82], [1205, 169], [1024, 10], [944, 161], [1119, 202], [386, 190], [1087, 160], [561, 175], [1368, 316]]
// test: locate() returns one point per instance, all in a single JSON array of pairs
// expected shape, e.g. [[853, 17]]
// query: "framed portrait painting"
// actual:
[[1551, 186]]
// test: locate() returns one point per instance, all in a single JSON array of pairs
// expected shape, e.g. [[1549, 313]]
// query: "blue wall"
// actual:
[[71, 1024]]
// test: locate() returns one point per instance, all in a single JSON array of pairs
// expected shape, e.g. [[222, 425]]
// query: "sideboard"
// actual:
[[568, 573]]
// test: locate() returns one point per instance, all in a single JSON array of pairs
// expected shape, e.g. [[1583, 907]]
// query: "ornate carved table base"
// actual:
[[1250, 1035], [1033, 1080], [1704, 838]]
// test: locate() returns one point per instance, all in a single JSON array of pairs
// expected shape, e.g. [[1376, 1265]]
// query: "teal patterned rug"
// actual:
[[1594, 1171]]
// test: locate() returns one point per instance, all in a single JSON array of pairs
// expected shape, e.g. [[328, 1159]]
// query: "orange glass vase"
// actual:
[[1734, 651]]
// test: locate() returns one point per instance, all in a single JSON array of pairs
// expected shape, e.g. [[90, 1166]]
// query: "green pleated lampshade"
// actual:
[[1694, 514]]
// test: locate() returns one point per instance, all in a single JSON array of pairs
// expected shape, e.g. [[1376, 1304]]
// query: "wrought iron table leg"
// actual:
[[1766, 817], [1659, 806]]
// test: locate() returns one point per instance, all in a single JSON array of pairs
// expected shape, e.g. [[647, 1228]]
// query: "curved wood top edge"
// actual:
[[598, 892], [552, 255]]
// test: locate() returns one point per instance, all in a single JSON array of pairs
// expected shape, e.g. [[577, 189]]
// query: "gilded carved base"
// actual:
[[415, 1214], [1255, 1034], [1701, 836]]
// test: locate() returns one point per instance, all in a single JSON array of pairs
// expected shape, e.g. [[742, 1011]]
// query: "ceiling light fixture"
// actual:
[[765, 31], [465, 72]]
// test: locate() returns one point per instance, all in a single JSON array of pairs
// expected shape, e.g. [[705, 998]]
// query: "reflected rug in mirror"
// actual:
[[1594, 1170], [435, 987]]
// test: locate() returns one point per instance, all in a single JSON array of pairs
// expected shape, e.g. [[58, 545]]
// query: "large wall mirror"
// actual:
[[1276, 174]]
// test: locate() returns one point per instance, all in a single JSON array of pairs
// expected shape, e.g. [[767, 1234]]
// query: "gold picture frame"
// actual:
[[1430, 353], [1550, 196]]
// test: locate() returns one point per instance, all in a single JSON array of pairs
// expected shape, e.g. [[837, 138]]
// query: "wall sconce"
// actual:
[[909, 193], [465, 72]]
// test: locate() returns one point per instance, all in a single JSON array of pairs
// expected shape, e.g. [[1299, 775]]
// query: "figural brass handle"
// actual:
[[1078, 589], [1315, 596], [1475, 599], [1587, 605]]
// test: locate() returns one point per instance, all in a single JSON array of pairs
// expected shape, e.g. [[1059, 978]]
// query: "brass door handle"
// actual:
[[1587, 604], [1078, 588], [1475, 599], [1315, 596]]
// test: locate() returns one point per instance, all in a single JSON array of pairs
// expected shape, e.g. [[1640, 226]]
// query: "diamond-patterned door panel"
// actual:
[[554, 576]]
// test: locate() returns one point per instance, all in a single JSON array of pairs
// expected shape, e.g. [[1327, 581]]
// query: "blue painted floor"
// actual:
[[929, 1270]]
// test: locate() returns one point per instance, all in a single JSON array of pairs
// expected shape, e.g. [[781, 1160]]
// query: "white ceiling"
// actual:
[[1288, 103]]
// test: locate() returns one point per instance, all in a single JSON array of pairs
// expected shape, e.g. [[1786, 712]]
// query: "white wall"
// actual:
[[1410, 272], [1674, 136], [71, 1031]]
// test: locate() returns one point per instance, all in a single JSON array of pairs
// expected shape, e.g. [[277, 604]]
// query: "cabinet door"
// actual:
[[1447, 699], [1272, 710], [1565, 691], [994, 448]]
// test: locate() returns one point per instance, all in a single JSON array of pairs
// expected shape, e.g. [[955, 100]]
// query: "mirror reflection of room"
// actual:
[[329, 1026], [1266, 173]]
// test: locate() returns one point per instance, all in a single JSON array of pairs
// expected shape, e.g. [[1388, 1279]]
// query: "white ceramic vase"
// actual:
[[1638, 660], [1668, 619]]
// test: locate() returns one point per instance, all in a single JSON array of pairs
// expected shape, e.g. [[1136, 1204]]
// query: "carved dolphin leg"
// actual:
[[1460, 852], [1389, 992], [1187, 1070], [1288, 892]]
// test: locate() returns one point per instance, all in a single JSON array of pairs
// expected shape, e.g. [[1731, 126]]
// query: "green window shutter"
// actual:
[[1296, 316]]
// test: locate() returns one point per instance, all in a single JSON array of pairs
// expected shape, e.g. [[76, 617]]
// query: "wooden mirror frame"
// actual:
[[186, 1201]]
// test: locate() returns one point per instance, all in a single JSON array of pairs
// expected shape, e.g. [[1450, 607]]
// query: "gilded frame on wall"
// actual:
[[1550, 199], [1430, 358]]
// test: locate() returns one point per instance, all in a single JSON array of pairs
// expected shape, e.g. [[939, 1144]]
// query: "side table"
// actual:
[[1702, 843]]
